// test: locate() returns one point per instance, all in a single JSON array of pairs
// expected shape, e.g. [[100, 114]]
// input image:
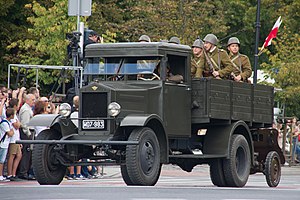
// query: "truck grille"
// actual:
[[94, 104]]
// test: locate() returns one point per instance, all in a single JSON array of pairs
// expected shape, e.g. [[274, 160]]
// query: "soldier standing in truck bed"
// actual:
[[216, 63], [196, 69], [242, 67]]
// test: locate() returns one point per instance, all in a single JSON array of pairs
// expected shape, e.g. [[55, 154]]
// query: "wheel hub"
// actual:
[[52, 161], [147, 157]]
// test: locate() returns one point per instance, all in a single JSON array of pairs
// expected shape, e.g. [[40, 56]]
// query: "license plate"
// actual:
[[93, 124]]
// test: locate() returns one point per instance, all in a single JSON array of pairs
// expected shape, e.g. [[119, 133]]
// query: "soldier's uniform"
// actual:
[[196, 67], [242, 65], [216, 60], [197, 62], [221, 63], [240, 62]]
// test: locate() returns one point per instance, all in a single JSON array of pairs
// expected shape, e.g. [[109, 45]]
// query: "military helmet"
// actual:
[[174, 40], [198, 43], [211, 38], [144, 38], [233, 40]]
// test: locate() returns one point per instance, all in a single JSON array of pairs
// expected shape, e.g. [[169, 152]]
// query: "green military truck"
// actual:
[[140, 109]]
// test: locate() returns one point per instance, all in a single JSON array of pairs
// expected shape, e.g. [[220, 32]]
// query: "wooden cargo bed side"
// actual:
[[222, 101]]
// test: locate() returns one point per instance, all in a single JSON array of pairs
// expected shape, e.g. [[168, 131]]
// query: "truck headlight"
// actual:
[[113, 109], [65, 109]]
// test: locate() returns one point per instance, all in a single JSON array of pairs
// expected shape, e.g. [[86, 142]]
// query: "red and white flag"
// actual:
[[273, 33]]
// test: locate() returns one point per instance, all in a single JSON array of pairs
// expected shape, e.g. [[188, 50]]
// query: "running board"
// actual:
[[192, 156], [84, 142]]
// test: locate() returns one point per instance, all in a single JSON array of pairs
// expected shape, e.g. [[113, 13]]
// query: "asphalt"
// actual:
[[112, 175]]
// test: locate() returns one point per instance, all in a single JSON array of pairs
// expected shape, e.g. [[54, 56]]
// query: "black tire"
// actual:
[[46, 168], [217, 173], [125, 175], [143, 160], [237, 167], [272, 169]]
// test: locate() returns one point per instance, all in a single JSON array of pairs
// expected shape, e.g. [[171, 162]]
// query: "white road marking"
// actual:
[[155, 199]]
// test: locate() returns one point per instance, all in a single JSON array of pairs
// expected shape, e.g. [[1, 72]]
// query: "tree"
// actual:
[[284, 59], [45, 43], [13, 27]]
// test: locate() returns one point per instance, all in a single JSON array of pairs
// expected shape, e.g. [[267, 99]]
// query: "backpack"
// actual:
[[4, 136]]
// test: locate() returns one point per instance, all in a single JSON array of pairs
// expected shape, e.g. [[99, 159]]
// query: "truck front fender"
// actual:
[[217, 138], [56, 122], [156, 124], [138, 120], [43, 120]]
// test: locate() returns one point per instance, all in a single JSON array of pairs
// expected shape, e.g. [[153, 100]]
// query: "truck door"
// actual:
[[177, 99]]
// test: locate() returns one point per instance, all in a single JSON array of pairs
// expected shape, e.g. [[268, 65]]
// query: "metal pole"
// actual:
[[8, 77], [257, 26], [78, 15], [37, 78]]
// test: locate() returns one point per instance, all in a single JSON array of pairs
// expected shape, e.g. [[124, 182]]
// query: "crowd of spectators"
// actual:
[[17, 107], [24, 103], [290, 129]]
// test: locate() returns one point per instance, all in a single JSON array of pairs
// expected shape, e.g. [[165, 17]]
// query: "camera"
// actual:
[[74, 39], [74, 36]]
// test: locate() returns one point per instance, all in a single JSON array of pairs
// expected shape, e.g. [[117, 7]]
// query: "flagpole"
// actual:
[[257, 26]]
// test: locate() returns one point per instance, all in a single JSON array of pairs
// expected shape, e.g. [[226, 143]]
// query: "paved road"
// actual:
[[173, 184], [173, 176]]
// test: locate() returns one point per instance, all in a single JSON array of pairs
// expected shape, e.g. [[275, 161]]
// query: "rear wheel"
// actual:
[[272, 169], [237, 167], [217, 173], [47, 169], [142, 161]]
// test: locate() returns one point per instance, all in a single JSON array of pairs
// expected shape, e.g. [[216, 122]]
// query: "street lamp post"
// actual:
[[257, 26]]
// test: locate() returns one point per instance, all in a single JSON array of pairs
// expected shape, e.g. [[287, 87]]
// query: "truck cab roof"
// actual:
[[129, 49]]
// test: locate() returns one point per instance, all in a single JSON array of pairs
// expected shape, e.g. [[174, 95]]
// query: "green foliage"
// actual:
[[13, 25], [284, 58], [34, 31], [45, 42]]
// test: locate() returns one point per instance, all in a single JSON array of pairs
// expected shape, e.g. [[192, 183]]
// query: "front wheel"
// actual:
[[47, 169], [125, 175], [143, 160], [272, 169]]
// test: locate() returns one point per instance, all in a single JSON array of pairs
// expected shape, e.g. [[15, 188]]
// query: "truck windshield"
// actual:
[[122, 66]]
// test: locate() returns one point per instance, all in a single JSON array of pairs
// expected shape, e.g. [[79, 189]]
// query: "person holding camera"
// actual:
[[93, 38]]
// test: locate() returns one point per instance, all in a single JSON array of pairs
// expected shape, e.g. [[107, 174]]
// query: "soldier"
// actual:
[[216, 61], [144, 38], [174, 40], [242, 67], [196, 69]]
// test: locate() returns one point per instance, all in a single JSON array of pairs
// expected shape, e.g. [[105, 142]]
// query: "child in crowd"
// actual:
[[6, 132]]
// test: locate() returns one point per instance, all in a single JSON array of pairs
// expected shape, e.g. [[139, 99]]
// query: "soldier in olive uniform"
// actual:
[[196, 69], [216, 61], [242, 67]]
